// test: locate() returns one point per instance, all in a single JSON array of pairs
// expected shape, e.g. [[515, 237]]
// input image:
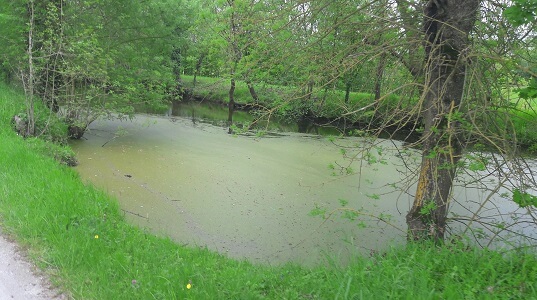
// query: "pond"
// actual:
[[253, 197]]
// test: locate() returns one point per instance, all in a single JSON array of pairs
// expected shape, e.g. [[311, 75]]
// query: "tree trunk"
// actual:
[[231, 106], [309, 92], [237, 55], [198, 67], [30, 87], [348, 86], [48, 44], [252, 91], [378, 77], [178, 91], [447, 25]]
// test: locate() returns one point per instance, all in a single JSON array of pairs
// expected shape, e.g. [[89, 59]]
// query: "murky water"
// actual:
[[251, 197], [245, 196]]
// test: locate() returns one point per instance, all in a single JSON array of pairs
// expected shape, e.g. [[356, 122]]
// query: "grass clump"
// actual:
[[78, 235]]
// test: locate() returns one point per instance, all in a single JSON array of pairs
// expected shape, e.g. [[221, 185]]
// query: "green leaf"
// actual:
[[318, 211], [524, 199], [428, 208], [530, 91], [521, 12], [373, 196]]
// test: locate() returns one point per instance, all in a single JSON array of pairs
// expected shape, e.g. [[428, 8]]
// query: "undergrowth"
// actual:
[[51, 132]]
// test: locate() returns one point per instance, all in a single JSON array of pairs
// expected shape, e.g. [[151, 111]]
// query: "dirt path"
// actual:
[[18, 278]]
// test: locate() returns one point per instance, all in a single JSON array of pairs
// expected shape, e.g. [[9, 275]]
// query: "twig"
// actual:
[[135, 214]]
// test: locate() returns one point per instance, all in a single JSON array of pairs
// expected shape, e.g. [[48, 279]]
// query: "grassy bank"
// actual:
[[286, 102], [78, 235], [519, 120]]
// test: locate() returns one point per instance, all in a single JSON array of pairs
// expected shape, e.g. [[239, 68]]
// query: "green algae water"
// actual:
[[253, 197], [245, 196]]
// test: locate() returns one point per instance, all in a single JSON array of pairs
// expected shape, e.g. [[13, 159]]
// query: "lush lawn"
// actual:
[[78, 235]]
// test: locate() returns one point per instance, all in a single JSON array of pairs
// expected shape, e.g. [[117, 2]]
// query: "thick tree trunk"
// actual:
[[447, 25]]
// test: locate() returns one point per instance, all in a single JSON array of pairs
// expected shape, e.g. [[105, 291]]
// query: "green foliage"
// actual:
[[530, 91], [318, 211], [524, 199], [428, 208], [96, 57], [475, 163], [521, 121], [521, 12], [61, 153]]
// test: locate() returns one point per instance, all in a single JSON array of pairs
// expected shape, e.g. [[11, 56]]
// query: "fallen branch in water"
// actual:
[[136, 214]]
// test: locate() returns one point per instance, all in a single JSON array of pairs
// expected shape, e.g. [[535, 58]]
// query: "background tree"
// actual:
[[98, 58]]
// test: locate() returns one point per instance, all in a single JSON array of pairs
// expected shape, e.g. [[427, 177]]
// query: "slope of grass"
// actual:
[[78, 235]]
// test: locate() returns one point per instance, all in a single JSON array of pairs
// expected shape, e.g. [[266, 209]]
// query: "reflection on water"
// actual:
[[217, 114], [252, 197]]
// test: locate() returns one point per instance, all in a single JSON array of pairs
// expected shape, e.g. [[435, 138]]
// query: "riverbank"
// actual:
[[78, 236], [355, 113]]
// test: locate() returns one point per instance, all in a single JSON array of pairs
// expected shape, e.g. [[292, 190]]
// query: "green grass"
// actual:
[[51, 131], [288, 105], [216, 89], [517, 121], [287, 101], [78, 235]]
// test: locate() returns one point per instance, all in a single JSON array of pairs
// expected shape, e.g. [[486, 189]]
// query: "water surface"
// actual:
[[245, 196], [250, 197]]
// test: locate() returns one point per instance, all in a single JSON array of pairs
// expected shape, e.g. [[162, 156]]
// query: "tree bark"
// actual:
[[178, 91], [29, 86], [237, 55], [252, 91], [309, 92], [447, 25], [379, 75], [231, 106], [198, 67]]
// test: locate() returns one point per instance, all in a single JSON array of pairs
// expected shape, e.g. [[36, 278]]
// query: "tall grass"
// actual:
[[78, 235]]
